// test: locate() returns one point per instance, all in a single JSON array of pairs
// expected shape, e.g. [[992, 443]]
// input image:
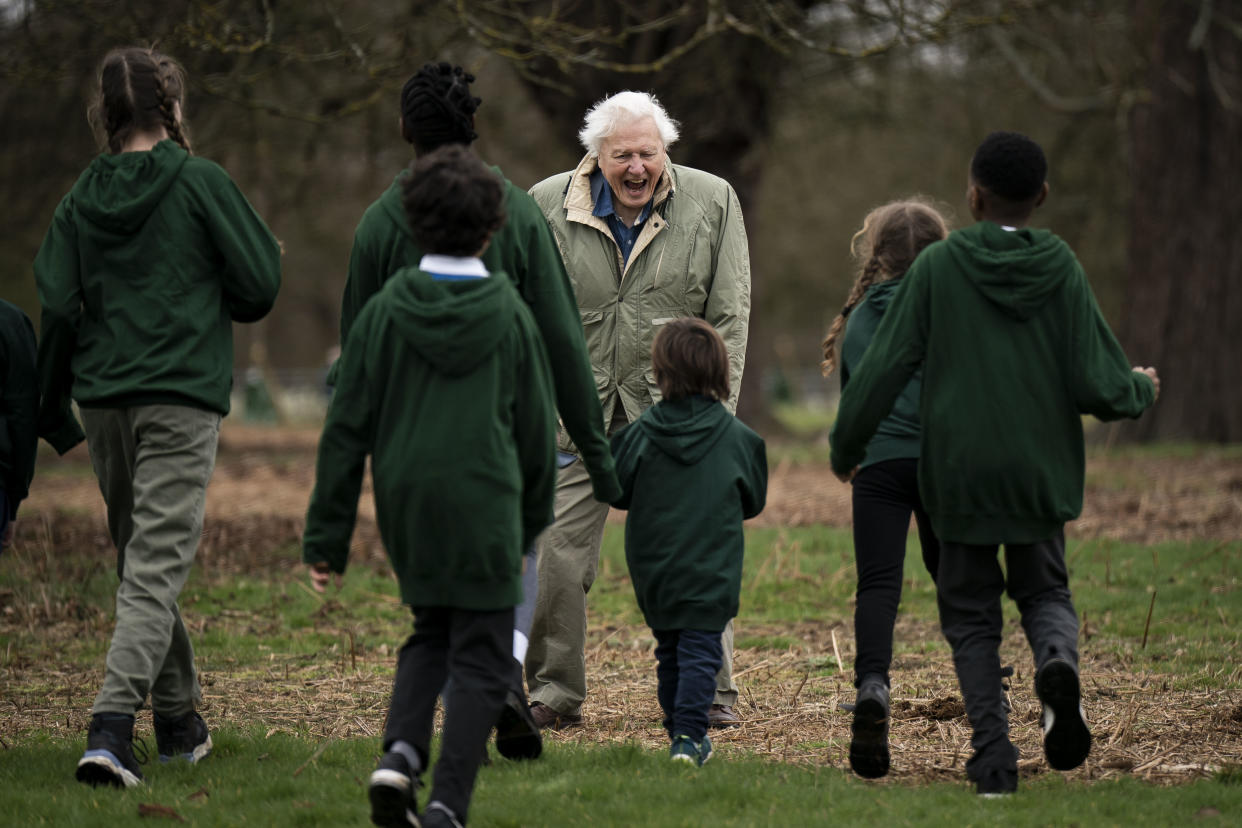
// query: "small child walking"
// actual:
[[149, 260], [690, 473], [1013, 350], [886, 488], [444, 381]]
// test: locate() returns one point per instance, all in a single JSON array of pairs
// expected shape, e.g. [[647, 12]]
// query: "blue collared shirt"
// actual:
[[601, 194]]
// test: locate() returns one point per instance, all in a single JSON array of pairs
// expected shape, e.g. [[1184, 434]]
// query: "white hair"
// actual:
[[621, 109]]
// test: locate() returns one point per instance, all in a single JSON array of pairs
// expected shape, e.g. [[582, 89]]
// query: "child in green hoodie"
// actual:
[[690, 473], [1013, 350], [885, 490], [444, 381], [150, 259]]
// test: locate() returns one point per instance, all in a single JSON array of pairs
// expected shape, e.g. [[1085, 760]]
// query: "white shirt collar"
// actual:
[[453, 265]]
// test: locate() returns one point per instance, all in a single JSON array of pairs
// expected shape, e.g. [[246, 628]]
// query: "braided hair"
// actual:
[[890, 239], [140, 90], [437, 107]]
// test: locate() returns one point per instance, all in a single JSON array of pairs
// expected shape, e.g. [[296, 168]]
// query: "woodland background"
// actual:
[[815, 111]]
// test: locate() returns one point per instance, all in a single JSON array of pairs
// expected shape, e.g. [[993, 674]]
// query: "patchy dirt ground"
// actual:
[[790, 698]]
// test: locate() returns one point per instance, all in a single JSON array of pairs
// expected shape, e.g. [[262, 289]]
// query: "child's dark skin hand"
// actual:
[[1155, 380], [320, 575], [846, 478]]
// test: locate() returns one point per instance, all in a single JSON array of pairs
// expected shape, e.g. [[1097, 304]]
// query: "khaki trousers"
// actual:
[[568, 560], [153, 463]]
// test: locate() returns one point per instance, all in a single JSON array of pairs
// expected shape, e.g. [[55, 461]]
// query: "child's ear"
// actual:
[[974, 200], [1043, 194]]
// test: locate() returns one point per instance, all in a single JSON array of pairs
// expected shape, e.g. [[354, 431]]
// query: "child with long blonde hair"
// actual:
[[885, 486]]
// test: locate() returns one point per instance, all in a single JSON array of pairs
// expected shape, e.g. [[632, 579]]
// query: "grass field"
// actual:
[[296, 688]]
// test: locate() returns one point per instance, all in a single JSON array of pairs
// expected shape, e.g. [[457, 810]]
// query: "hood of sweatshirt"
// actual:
[[390, 200], [118, 192], [1017, 270], [454, 325], [686, 429], [880, 295]]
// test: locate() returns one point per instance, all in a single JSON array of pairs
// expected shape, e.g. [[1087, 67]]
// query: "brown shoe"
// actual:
[[549, 719], [722, 715]]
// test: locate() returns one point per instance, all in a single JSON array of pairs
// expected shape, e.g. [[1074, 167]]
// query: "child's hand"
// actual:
[[320, 575], [1155, 380], [848, 476]]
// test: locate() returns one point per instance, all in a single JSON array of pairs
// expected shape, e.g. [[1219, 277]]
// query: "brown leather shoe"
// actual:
[[549, 719], [722, 715]]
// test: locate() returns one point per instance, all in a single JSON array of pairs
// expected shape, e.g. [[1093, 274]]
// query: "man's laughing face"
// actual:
[[632, 159]]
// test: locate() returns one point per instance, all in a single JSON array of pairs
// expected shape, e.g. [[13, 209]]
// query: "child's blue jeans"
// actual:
[[686, 665]]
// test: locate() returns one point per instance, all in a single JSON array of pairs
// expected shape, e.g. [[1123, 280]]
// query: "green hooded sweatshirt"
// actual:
[[1013, 349], [149, 259], [690, 472], [898, 434], [19, 404], [446, 385], [524, 249]]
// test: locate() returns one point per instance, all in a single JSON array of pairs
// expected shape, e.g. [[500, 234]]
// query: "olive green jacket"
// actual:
[[690, 259]]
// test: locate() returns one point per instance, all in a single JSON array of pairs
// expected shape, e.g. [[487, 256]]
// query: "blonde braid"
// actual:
[[866, 279]]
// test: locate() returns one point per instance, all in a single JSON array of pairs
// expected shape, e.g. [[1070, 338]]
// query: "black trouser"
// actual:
[[475, 650], [885, 495], [968, 593]]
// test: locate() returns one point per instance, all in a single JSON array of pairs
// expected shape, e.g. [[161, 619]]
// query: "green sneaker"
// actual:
[[684, 750], [705, 750]]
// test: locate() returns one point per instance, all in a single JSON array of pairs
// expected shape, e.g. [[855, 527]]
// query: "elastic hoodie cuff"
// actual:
[[604, 484]]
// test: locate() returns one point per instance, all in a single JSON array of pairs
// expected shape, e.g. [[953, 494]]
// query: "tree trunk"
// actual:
[[1183, 305]]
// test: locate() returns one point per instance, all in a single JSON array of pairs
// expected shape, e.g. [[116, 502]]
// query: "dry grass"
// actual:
[[791, 698]]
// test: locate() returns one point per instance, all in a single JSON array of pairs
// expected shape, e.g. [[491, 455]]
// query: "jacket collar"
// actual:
[[580, 206]]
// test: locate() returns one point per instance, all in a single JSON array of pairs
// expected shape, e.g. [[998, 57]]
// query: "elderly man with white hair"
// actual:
[[644, 241]]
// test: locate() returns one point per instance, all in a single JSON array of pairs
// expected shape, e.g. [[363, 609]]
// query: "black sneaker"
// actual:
[[869, 731], [997, 782], [109, 757], [517, 734], [1067, 740], [438, 815], [184, 737], [393, 791]]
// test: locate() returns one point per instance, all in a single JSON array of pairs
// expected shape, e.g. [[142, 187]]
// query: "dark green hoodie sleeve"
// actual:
[[546, 288], [362, 281], [625, 454], [534, 433], [60, 295], [893, 356], [755, 479], [251, 277], [19, 403], [1104, 383], [348, 434]]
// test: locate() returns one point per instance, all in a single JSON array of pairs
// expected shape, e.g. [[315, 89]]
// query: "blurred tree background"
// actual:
[[816, 111]]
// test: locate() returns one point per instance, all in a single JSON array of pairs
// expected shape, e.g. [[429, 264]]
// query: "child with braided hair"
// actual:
[[149, 260], [885, 488]]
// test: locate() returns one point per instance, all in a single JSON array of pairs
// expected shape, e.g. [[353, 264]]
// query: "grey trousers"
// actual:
[[968, 591], [568, 559], [153, 463]]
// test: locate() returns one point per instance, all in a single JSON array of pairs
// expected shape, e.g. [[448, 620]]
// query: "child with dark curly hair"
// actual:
[[446, 356]]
